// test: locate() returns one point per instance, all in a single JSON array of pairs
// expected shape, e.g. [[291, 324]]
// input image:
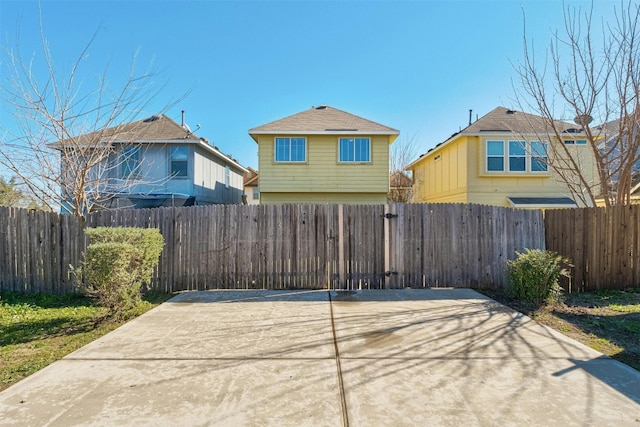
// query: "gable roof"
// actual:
[[502, 120], [322, 120], [250, 178], [158, 127], [399, 179], [155, 129]]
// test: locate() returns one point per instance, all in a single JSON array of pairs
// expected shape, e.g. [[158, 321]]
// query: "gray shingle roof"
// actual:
[[158, 127], [154, 129], [502, 119], [323, 119]]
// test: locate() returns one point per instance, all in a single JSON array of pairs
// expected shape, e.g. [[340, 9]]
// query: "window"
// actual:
[[179, 160], [575, 142], [256, 194], [130, 161], [523, 156], [495, 156], [538, 156], [355, 150], [517, 156], [227, 176], [291, 150]]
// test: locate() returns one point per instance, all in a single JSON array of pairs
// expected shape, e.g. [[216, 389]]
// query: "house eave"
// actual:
[[323, 132]]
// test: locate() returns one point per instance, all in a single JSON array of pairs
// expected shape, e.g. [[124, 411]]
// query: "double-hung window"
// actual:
[[538, 156], [291, 150], [522, 156], [227, 176], [130, 161], [355, 150], [517, 156], [179, 160], [495, 156]]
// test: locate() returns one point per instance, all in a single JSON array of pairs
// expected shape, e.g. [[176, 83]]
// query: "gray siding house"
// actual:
[[157, 162]]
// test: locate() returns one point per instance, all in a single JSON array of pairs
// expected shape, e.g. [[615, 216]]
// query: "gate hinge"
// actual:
[[390, 215], [390, 273]]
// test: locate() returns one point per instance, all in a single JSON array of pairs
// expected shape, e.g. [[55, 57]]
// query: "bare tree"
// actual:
[[596, 84], [62, 148], [400, 182], [11, 195]]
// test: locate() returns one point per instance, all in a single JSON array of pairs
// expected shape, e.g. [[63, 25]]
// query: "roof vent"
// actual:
[[321, 107], [511, 112], [151, 119]]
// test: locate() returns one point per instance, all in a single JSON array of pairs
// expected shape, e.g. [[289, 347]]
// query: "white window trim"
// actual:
[[354, 147], [487, 156], [530, 157], [506, 156], [509, 156], [578, 142], [275, 149], [126, 158], [171, 175]]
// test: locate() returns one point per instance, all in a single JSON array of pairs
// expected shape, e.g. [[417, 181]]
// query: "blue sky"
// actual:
[[417, 66]]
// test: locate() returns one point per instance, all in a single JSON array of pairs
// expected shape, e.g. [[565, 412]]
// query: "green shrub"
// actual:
[[534, 276], [117, 264]]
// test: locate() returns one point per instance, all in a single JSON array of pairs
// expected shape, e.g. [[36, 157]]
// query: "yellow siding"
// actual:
[[442, 176], [494, 188], [346, 198], [459, 175], [322, 173]]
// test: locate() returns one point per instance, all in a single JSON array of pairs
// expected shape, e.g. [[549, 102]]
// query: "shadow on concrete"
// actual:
[[616, 374]]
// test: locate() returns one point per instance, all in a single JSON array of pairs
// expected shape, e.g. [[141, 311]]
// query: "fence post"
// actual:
[[341, 272], [389, 246]]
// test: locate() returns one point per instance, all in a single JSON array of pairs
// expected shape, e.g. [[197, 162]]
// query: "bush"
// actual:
[[534, 276], [117, 264]]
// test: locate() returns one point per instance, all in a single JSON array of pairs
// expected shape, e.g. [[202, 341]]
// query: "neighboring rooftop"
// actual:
[[323, 119], [504, 120], [158, 127], [250, 177], [154, 129]]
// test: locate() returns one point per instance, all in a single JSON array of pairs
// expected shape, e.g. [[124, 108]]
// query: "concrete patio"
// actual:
[[437, 357]]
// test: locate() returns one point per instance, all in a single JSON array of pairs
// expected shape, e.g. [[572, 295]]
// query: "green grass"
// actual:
[[38, 329]]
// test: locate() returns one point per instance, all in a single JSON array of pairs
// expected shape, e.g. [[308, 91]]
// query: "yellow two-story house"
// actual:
[[323, 155], [503, 159]]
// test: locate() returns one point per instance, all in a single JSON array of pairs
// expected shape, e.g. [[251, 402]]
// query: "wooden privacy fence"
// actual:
[[603, 244], [284, 246]]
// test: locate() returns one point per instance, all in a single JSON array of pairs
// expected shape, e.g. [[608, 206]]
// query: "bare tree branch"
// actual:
[[590, 81], [62, 149], [400, 155]]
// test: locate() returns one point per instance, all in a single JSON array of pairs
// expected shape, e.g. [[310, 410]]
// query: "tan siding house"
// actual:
[[502, 159], [323, 155]]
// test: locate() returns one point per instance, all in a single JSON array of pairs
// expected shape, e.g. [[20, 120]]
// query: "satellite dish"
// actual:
[[583, 119]]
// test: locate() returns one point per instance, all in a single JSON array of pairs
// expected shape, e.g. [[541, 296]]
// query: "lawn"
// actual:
[[36, 330], [607, 321]]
